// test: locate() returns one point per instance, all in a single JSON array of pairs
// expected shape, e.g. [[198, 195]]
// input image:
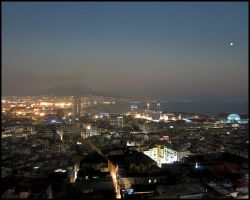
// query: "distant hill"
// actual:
[[74, 90], [59, 90]]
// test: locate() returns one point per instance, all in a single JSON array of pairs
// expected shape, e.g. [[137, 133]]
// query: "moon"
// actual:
[[231, 44]]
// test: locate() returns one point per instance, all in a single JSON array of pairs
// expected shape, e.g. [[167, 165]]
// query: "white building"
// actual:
[[163, 154]]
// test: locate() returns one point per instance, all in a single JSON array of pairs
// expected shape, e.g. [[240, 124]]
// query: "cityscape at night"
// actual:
[[124, 100]]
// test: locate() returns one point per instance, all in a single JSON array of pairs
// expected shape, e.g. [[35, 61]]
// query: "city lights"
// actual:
[[125, 101], [60, 170]]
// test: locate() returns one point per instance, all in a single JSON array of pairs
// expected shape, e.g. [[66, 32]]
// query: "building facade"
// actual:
[[76, 108]]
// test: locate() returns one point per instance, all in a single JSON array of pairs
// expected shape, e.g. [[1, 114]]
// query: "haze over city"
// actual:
[[124, 100], [162, 50]]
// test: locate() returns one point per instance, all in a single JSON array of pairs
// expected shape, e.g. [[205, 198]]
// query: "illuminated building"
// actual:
[[156, 116], [88, 131], [76, 108], [169, 116], [233, 117], [163, 154], [158, 106], [133, 108], [103, 115], [119, 122]]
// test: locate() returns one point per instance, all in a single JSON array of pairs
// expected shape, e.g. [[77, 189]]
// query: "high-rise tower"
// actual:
[[148, 104], [158, 106], [119, 122], [76, 108]]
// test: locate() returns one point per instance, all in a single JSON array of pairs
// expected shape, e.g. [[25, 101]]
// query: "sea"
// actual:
[[210, 108]]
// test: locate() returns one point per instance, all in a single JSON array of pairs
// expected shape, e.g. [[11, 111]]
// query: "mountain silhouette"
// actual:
[[74, 90]]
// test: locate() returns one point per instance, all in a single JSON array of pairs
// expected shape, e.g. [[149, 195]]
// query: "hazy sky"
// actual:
[[162, 49]]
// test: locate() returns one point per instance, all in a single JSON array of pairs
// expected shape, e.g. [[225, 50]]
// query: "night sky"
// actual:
[[153, 50]]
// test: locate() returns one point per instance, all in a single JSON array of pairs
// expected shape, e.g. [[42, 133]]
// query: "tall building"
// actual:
[[158, 106], [76, 108], [119, 122]]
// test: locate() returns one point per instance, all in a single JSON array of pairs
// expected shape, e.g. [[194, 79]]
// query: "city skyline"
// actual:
[[153, 50]]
